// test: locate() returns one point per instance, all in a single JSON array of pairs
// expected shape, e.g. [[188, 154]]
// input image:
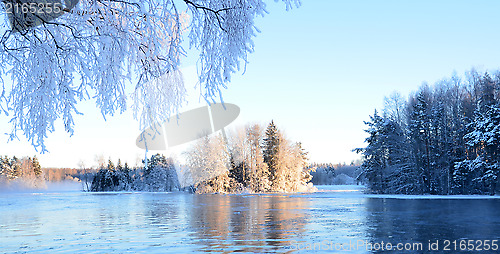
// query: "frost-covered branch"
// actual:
[[106, 49]]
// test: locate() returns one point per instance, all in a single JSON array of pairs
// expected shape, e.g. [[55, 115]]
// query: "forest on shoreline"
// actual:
[[444, 139], [253, 159], [23, 172]]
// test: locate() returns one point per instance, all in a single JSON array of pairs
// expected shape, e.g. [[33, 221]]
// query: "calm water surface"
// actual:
[[325, 221]]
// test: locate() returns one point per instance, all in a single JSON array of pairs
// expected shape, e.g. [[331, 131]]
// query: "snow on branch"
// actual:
[[96, 49]]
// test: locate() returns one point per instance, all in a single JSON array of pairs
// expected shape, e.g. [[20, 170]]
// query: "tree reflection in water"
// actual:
[[248, 223], [178, 222], [423, 220]]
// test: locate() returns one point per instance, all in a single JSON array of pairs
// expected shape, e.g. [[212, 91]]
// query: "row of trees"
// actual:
[[159, 175], [444, 139], [65, 174], [251, 160], [322, 173], [24, 172]]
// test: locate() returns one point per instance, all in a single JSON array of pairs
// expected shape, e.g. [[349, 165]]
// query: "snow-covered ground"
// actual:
[[360, 189], [331, 218]]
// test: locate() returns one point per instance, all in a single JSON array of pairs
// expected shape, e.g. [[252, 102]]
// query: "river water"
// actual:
[[337, 219]]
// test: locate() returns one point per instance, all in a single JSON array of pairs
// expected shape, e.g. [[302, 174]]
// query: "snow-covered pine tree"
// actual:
[[160, 174], [403, 177], [38, 181], [402, 174], [388, 165], [420, 133], [125, 176], [37, 169], [374, 155], [121, 176], [237, 171], [105, 179], [7, 170], [484, 141]]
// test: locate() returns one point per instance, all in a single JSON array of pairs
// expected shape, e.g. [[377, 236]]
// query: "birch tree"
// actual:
[[217, 166], [105, 49], [257, 171], [208, 164]]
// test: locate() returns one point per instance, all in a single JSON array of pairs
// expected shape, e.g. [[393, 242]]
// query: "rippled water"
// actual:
[[72, 222]]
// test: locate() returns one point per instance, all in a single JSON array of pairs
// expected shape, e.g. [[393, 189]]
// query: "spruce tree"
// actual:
[[374, 155], [420, 131], [236, 171], [160, 174], [306, 170], [6, 168], [119, 166], [271, 150], [483, 166], [16, 169], [111, 166], [37, 169]]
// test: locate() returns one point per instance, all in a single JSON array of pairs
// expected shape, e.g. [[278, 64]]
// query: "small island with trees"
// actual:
[[251, 161]]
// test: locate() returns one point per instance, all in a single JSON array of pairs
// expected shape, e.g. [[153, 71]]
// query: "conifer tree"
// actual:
[[271, 150], [374, 155], [444, 141], [160, 174], [37, 169], [110, 166], [483, 167], [7, 169], [237, 170]]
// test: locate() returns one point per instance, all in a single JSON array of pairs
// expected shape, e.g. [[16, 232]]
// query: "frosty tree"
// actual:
[[25, 172], [160, 174], [443, 139], [208, 165], [215, 165], [97, 49]]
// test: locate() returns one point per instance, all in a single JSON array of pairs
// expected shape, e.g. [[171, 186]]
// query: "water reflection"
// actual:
[[186, 223], [424, 220], [15, 227], [248, 223]]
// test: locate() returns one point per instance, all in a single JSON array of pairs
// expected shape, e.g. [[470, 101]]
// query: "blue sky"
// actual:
[[318, 71]]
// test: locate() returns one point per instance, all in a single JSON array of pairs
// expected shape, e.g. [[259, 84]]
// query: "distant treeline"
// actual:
[[330, 174], [253, 159], [24, 172], [65, 174], [443, 139]]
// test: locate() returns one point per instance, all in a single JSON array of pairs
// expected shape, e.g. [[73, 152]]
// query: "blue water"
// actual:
[[334, 219]]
